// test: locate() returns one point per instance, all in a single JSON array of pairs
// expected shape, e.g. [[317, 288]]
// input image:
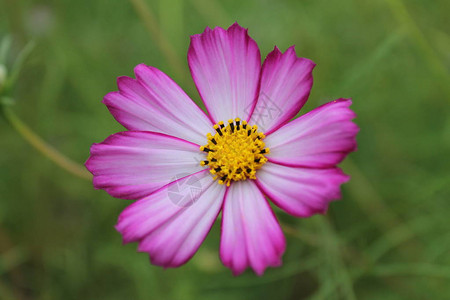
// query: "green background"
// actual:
[[388, 238]]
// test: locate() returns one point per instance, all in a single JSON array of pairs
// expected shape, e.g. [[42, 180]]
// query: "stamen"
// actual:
[[231, 123], [203, 148], [235, 151], [216, 127]]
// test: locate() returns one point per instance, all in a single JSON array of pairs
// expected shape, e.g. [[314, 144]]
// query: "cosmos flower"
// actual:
[[184, 167]]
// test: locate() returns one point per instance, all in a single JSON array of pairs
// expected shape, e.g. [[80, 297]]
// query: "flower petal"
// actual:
[[225, 65], [133, 164], [171, 223], [286, 82], [154, 102], [251, 235], [319, 139], [300, 192]]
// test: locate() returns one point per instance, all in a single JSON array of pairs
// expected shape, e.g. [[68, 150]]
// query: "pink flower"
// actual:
[[184, 167]]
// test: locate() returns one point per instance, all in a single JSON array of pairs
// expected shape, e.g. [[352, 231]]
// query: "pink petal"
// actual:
[[301, 192], [132, 165], [168, 229], [225, 65], [251, 235], [319, 139], [154, 102], [286, 82]]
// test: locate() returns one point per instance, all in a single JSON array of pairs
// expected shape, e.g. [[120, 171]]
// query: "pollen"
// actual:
[[235, 151]]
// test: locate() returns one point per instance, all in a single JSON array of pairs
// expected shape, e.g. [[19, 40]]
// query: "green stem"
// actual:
[[332, 248], [47, 150], [212, 11], [148, 18], [403, 16]]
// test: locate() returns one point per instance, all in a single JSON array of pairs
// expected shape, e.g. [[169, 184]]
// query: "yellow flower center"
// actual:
[[235, 151]]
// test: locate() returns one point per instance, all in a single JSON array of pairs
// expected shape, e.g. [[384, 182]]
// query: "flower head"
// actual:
[[184, 167]]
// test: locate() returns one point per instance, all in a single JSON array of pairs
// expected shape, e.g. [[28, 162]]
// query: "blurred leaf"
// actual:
[[5, 46], [18, 64]]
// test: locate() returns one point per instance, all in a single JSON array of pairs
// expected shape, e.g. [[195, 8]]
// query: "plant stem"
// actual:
[[47, 150], [148, 18]]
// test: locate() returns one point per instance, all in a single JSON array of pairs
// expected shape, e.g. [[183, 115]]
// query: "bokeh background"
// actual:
[[388, 238]]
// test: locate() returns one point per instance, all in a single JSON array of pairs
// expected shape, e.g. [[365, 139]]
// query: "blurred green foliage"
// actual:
[[388, 238]]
